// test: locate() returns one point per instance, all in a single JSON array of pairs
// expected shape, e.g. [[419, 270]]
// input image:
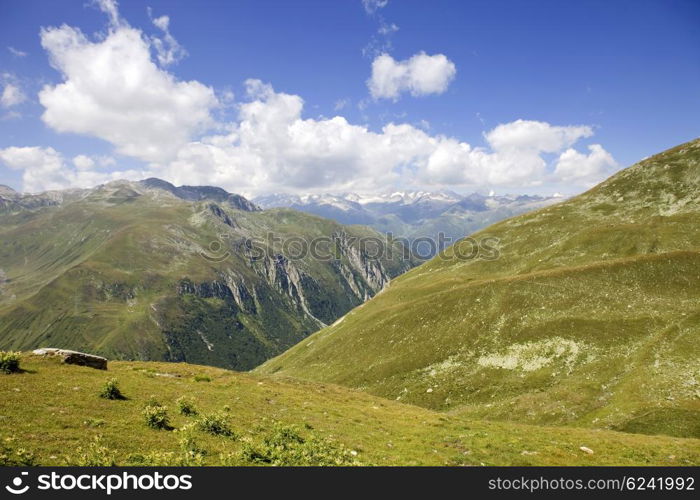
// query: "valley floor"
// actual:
[[52, 414]]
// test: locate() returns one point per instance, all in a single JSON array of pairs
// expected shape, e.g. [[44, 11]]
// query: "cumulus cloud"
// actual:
[[113, 90], [84, 162], [12, 95], [573, 166], [271, 147], [540, 136], [45, 169], [420, 75]]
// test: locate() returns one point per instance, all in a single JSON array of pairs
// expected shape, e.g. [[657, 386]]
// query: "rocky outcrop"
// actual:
[[74, 357], [283, 275], [219, 213]]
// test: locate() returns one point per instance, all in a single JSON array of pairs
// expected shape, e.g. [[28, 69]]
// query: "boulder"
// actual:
[[74, 357]]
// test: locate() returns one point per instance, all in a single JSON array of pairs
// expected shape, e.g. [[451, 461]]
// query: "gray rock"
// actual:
[[74, 357]]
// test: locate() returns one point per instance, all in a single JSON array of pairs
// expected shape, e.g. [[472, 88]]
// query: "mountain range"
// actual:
[[439, 218]]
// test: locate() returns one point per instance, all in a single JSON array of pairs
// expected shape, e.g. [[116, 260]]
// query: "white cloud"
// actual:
[[45, 169], [590, 168], [111, 8], [273, 147], [420, 75], [372, 6], [11, 96], [83, 162], [168, 50], [16, 52], [387, 28], [540, 136], [113, 90]]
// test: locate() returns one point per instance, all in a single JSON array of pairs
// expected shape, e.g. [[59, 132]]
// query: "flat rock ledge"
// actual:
[[74, 357]]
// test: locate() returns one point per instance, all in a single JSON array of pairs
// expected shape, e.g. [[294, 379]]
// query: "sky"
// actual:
[[368, 96]]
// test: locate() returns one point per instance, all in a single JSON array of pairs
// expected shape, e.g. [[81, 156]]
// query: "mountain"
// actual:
[[146, 270], [589, 317], [339, 208], [413, 215], [274, 422]]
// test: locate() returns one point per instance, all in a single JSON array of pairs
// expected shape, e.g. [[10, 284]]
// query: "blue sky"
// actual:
[[514, 96]]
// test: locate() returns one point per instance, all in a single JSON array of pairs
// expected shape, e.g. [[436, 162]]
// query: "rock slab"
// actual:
[[74, 357]]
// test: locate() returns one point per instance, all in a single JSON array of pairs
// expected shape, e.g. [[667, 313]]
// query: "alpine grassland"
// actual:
[[589, 317]]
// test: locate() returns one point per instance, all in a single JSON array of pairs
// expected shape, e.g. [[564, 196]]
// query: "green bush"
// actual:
[[9, 361], [285, 446], [110, 390], [202, 378], [186, 406], [157, 417], [215, 424]]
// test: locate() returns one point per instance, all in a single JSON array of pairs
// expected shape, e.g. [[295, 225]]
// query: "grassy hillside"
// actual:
[[51, 414], [133, 271], [590, 317]]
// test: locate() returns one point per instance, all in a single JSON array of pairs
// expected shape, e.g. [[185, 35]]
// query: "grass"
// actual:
[[589, 317], [45, 413]]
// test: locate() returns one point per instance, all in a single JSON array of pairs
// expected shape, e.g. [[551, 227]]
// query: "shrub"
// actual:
[[9, 361], [202, 378], [110, 390], [215, 424], [157, 417], [186, 406], [285, 446]]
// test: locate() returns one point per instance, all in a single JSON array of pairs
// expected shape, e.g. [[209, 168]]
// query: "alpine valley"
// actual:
[[577, 346], [145, 270]]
